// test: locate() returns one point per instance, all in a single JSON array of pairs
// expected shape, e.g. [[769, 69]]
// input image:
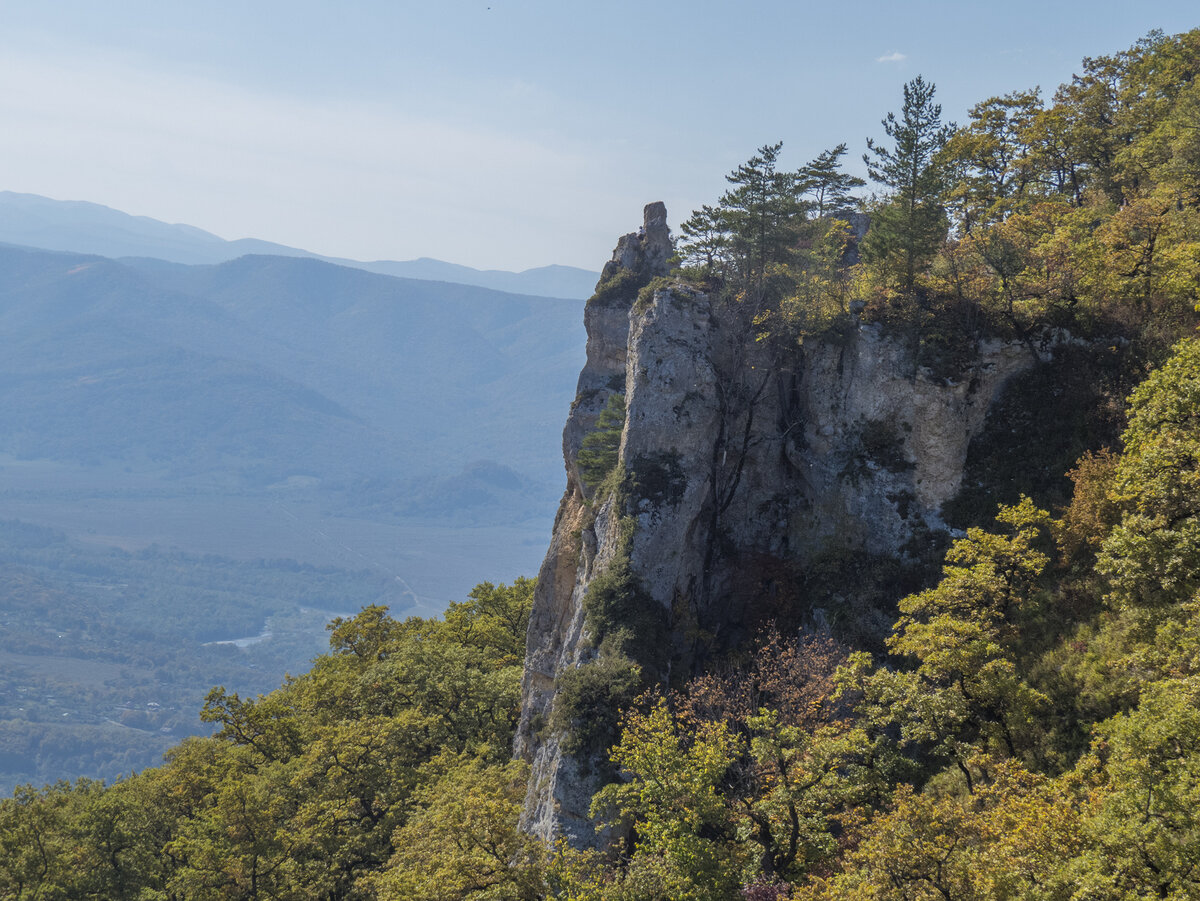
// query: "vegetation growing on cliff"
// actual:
[[599, 449], [1029, 730], [1032, 729], [1081, 212]]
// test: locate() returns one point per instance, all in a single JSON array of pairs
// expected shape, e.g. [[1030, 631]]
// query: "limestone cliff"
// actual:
[[742, 463]]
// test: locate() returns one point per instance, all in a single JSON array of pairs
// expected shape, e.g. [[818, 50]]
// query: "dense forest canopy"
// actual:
[[1032, 728], [1079, 212]]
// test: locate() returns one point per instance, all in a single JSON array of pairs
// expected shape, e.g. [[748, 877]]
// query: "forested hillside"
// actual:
[[239, 376], [301, 792], [1029, 727]]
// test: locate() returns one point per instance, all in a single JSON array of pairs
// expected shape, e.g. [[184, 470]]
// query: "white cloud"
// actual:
[[894, 57]]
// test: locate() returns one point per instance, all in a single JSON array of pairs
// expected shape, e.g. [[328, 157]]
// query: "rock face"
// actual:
[[741, 460]]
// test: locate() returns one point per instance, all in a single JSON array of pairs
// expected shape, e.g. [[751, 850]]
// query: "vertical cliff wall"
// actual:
[[741, 464]]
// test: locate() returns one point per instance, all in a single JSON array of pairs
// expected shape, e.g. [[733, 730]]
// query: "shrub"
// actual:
[[599, 453], [589, 700]]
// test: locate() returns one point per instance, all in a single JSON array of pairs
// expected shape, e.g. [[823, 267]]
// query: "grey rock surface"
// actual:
[[735, 451]]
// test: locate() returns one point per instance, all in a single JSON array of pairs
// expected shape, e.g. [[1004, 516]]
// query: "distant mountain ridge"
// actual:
[[367, 400], [30, 220], [193, 454]]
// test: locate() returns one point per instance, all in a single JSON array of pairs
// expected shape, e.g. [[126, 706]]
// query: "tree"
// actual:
[[705, 241], [1144, 833], [673, 803], [1014, 838], [907, 231], [462, 841], [236, 846], [494, 619], [967, 691], [800, 766], [829, 187], [1151, 254], [763, 214], [301, 792], [600, 448], [35, 835], [1152, 557], [992, 154]]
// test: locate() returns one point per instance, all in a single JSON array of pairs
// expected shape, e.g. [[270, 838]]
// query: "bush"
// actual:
[[600, 451], [620, 613], [624, 284], [589, 701]]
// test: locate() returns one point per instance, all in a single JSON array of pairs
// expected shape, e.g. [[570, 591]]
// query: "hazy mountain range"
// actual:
[[203, 459], [314, 411], [81, 227]]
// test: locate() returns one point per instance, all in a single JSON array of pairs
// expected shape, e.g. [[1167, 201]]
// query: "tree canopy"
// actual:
[[1029, 728]]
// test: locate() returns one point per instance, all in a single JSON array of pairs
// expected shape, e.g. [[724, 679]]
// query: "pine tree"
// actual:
[[705, 241], [829, 187], [600, 449], [763, 213], [906, 232]]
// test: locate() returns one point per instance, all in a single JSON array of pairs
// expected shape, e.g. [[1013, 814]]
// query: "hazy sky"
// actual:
[[493, 133]]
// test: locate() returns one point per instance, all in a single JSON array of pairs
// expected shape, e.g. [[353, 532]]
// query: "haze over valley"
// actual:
[[281, 413]]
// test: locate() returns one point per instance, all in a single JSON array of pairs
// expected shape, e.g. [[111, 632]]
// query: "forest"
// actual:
[[1029, 727]]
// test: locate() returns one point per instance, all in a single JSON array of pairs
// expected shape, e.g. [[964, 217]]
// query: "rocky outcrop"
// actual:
[[560, 789], [739, 457]]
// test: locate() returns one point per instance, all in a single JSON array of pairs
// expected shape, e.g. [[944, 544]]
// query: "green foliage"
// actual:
[[1009, 840], [993, 163], [672, 802], [749, 772], [967, 690], [761, 249], [1153, 556], [461, 843], [646, 295], [829, 187], [808, 770], [909, 227], [1144, 835], [588, 701], [1113, 821], [600, 449], [1080, 212], [622, 286], [816, 302], [629, 631], [620, 613], [305, 792], [762, 214], [493, 620], [1034, 731], [705, 241]]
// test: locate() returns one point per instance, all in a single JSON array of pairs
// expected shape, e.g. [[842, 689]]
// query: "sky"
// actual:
[[497, 134]]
